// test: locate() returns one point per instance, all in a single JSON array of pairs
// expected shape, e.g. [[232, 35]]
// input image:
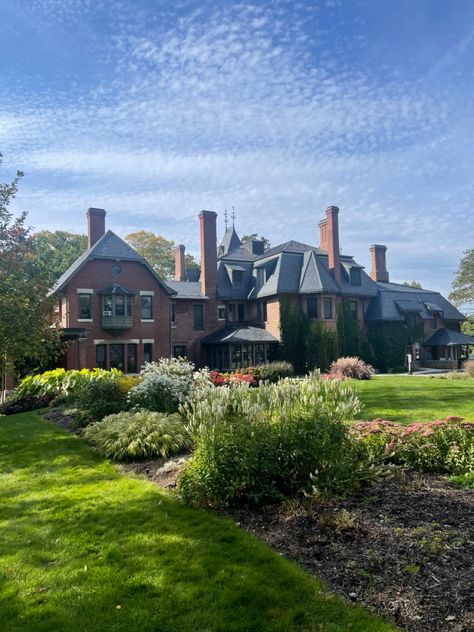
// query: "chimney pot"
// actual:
[[95, 225]]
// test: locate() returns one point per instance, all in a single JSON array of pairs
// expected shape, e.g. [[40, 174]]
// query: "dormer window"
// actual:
[[356, 278], [261, 276], [237, 278]]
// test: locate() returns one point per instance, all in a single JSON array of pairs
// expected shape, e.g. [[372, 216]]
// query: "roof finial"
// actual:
[[233, 217], [226, 219]]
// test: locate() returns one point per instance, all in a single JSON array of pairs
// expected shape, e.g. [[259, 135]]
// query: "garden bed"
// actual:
[[404, 549]]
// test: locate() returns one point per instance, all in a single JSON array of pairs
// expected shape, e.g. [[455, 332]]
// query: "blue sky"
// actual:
[[155, 110]]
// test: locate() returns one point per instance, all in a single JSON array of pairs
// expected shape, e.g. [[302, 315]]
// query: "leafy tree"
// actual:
[[416, 284], [24, 308], [249, 238], [463, 284], [158, 251], [56, 251], [468, 326]]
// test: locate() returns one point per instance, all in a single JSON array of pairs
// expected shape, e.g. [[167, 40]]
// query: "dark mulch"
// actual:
[[162, 471], [404, 549], [65, 421]]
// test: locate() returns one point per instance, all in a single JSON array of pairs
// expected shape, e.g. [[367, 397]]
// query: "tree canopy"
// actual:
[[158, 251], [416, 284], [463, 284], [24, 308], [56, 251], [249, 238]]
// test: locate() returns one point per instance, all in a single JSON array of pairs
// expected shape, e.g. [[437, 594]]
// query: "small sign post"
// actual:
[[409, 360]]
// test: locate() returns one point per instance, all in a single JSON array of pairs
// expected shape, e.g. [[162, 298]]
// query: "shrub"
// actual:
[[23, 403], [270, 372], [60, 381], [445, 445], [136, 435], [469, 368], [257, 445], [353, 368], [166, 383], [96, 399]]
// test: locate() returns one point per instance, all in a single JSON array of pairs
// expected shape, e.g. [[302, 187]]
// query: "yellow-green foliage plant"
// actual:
[[129, 436], [62, 382]]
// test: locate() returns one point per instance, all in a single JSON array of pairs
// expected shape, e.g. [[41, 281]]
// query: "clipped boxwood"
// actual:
[[142, 434]]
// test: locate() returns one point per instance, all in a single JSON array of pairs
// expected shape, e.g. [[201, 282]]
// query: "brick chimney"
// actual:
[[379, 263], [95, 225], [323, 234], [332, 231], [179, 263], [207, 222]]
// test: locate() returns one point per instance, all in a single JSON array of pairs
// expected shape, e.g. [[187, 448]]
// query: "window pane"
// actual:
[[116, 357], [237, 278], [236, 356], [179, 351], [355, 276], [231, 312], [147, 307], [101, 356], [198, 317], [259, 354], [328, 308], [312, 305], [248, 355], [132, 358], [108, 302], [147, 352], [119, 305], [264, 310], [129, 305], [221, 312], [173, 314], [240, 312], [85, 306], [353, 307]]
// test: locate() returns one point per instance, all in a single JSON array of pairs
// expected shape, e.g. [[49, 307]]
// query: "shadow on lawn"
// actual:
[[85, 548]]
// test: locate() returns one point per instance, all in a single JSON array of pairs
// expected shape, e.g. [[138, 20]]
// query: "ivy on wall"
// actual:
[[389, 341]]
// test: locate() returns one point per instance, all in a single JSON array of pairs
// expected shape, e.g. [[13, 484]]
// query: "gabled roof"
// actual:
[[449, 338], [109, 246], [288, 246]]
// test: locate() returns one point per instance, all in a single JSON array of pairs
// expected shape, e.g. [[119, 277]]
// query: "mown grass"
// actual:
[[85, 548], [408, 399]]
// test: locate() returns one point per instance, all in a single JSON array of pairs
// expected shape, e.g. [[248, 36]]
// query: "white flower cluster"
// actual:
[[167, 383]]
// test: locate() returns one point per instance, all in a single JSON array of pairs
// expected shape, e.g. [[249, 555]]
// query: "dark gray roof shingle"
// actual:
[[186, 289], [448, 337], [239, 334]]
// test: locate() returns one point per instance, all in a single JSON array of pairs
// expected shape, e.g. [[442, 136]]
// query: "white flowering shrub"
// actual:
[[167, 383]]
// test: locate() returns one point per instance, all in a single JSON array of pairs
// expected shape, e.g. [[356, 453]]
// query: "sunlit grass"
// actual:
[[408, 399], [85, 548]]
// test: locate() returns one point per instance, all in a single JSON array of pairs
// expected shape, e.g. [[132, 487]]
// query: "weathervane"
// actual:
[[226, 219], [233, 216]]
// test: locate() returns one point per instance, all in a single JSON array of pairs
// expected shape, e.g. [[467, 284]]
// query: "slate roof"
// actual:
[[239, 334], [449, 338], [229, 243], [186, 289], [109, 246], [394, 301]]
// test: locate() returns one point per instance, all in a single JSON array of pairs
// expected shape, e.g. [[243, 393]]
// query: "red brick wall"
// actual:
[[97, 275], [184, 334]]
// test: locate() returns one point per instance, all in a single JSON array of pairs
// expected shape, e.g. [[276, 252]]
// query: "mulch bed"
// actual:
[[404, 548]]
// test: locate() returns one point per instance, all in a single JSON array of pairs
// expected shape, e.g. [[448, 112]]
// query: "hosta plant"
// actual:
[[138, 435], [62, 382]]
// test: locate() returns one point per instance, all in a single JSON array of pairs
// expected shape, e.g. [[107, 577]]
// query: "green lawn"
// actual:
[[410, 398], [84, 547]]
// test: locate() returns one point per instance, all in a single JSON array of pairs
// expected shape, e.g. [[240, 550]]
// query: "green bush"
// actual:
[[259, 445], [445, 446], [96, 399], [270, 372], [137, 435], [23, 403]]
